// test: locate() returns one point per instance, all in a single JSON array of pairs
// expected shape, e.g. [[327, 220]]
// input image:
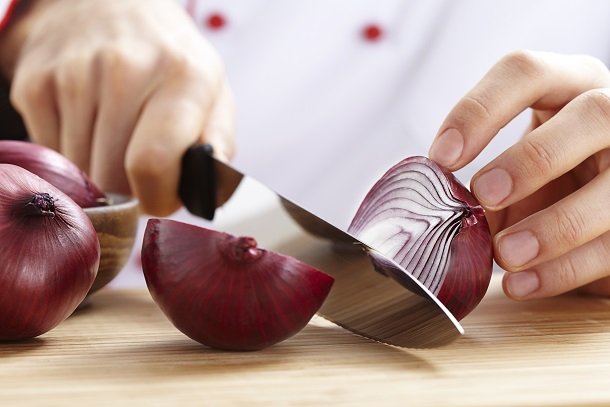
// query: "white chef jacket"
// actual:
[[331, 93], [323, 110]]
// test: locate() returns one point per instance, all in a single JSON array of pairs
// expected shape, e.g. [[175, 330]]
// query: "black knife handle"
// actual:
[[197, 186]]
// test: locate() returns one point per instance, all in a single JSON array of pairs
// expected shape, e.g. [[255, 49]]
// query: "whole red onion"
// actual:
[[224, 291], [50, 254], [53, 168], [422, 217]]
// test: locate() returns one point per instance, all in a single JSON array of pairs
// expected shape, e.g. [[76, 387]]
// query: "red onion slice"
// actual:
[[422, 217], [224, 291]]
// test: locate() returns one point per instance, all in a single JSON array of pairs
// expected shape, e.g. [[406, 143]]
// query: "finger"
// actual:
[[112, 131], [520, 80], [121, 98], [172, 120], [578, 131], [583, 265], [76, 102], [219, 131], [573, 221], [33, 96]]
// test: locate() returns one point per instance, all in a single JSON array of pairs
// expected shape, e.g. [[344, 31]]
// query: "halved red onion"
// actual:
[[53, 168], [225, 292], [422, 217], [49, 254]]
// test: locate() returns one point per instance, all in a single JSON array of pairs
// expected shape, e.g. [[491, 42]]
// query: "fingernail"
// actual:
[[447, 148], [493, 187], [517, 249], [522, 284]]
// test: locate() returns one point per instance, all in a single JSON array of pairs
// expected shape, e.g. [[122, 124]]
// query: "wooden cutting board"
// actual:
[[121, 350]]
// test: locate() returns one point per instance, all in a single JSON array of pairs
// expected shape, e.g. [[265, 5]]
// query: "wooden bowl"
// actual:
[[116, 225]]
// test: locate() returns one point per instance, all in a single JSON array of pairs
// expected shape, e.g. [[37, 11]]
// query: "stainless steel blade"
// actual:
[[372, 295]]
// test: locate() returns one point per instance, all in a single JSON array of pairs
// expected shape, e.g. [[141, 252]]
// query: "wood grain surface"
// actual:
[[120, 350]]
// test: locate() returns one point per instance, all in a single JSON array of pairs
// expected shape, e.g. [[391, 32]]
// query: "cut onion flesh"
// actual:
[[423, 218]]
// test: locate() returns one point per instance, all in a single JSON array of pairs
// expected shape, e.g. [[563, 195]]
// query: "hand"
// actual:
[[121, 88], [547, 195]]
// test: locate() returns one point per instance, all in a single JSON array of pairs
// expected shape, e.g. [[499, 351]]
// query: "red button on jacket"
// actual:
[[372, 32], [215, 21]]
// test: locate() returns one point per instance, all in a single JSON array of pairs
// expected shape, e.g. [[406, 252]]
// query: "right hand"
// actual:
[[546, 196], [121, 88]]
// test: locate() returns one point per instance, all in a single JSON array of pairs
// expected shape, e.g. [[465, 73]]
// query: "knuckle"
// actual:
[[17, 94], [29, 90], [571, 225], [597, 103], [206, 69], [604, 245], [119, 65], [69, 79], [567, 274], [179, 65], [151, 162], [524, 62], [474, 108], [113, 57], [539, 157]]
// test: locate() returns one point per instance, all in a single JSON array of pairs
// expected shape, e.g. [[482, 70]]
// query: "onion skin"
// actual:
[[50, 254], [53, 168], [421, 216], [223, 291]]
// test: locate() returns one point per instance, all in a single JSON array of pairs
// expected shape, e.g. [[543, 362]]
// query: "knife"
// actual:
[[372, 295]]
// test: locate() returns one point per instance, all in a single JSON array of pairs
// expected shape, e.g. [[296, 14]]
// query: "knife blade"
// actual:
[[372, 295]]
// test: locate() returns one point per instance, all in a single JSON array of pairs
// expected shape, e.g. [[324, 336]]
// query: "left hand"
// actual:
[[122, 89], [547, 196]]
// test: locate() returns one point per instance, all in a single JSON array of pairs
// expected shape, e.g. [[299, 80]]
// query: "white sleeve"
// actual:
[[6, 10]]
